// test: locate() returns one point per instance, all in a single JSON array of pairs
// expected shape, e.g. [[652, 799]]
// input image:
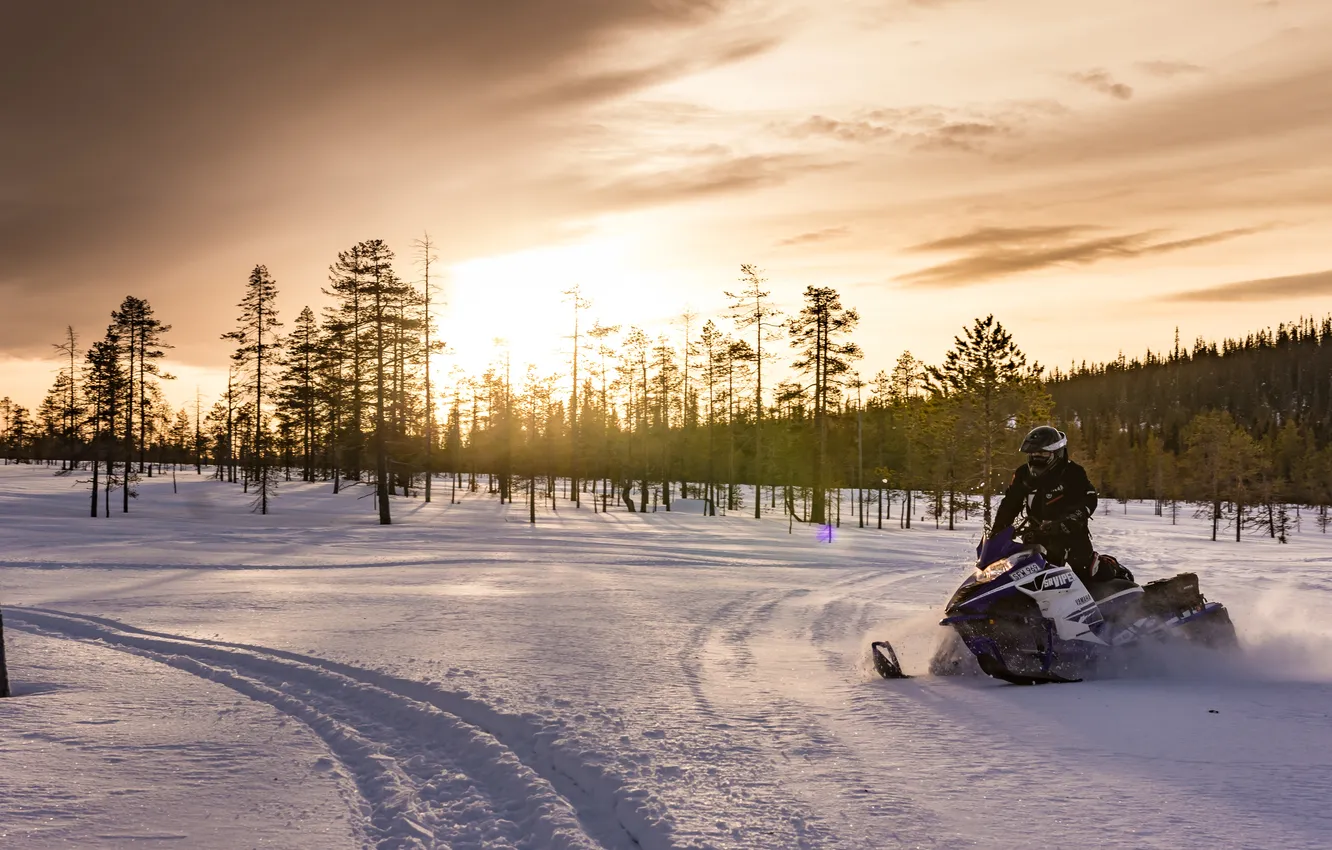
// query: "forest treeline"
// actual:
[[1240, 432]]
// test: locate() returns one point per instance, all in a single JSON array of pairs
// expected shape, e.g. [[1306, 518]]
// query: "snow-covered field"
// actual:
[[194, 675]]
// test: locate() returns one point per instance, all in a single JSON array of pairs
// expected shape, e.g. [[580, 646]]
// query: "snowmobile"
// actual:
[[1029, 622]]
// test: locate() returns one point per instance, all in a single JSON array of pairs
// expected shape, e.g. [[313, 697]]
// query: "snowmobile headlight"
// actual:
[[993, 571]]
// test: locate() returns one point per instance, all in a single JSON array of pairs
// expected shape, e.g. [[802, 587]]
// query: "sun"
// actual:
[[517, 304]]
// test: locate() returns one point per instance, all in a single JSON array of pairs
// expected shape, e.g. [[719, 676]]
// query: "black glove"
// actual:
[[1068, 525]]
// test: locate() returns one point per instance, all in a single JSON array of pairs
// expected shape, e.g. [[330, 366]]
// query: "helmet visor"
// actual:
[[1040, 460]]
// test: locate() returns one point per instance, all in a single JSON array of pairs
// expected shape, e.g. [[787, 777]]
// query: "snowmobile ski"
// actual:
[[885, 660]]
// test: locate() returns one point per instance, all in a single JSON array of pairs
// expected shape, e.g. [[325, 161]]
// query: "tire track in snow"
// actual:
[[803, 735], [850, 610], [432, 769], [690, 656], [738, 635]]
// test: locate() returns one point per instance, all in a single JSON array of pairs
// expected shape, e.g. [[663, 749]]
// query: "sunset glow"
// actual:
[[1096, 177], [608, 424], [520, 298]]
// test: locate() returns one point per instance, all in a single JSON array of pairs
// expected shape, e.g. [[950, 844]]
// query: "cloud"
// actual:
[[1198, 241], [161, 144], [957, 136], [1002, 262], [1098, 79], [1286, 104], [1002, 252], [815, 236], [1308, 285], [986, 236], [716, 176], [847, 131], [610, 83], [1167, 68], [926, 128]]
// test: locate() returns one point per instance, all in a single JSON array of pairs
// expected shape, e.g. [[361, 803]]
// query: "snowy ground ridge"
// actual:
[[431, 768]]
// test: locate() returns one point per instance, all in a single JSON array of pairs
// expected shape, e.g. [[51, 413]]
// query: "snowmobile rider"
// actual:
[[1059, 499]]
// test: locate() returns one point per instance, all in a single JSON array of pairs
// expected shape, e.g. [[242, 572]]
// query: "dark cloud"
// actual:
[[815, 236], [1098, 79], [1002, 252], [1266, 289], [1166, 68], [143, 139]]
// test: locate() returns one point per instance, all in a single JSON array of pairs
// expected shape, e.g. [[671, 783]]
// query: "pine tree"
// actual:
[[600, 334], [574, 295], [634, 380], [426, 255], [908, 377], [346, 323], [1213, 466], [750, 309], [826, 360], [140, 334], [72, 410], [258, 347], [985, 372], [383, 290], [105, 384], [711, 344], [663, 395], [298, 392]]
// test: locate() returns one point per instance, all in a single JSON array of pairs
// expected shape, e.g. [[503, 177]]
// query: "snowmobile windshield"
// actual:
[[992, 549], [1003, 553]]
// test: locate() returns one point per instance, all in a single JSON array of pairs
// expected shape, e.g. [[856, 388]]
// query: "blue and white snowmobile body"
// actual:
[[1027, 621]]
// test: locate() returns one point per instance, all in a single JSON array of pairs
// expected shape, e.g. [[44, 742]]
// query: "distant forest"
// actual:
[[1238, 432]]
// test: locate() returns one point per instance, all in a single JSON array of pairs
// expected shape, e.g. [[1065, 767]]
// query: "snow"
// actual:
[[194, 675]]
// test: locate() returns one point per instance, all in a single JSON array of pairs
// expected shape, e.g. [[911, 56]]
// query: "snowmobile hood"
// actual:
[[1001, 562]]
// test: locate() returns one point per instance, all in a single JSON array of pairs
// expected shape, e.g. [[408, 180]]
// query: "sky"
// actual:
[[1093, 174]]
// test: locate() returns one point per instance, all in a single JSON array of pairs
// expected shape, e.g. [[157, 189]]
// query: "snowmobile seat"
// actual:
[[1102, 591], [1170, 596]]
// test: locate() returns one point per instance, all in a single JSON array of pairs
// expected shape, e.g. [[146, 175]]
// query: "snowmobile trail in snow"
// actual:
[[431, 768]]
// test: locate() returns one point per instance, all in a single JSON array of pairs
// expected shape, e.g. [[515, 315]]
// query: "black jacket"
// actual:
[[1064, 495]]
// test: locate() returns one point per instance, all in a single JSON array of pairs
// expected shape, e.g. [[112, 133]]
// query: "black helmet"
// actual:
[[1046, 448]]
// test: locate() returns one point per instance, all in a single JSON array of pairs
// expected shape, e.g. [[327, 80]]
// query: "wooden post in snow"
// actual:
[[4, 670]]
